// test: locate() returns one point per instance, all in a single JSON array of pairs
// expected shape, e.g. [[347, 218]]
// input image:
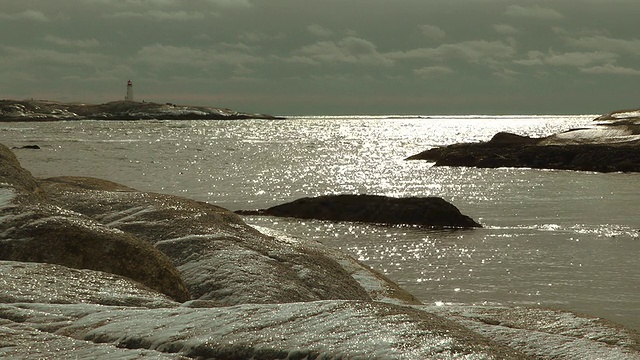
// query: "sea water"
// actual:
[[551, 238]]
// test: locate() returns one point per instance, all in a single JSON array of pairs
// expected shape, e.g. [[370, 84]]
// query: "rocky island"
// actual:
[[44, 110], [433, 212], [92, 269], [612, 144]]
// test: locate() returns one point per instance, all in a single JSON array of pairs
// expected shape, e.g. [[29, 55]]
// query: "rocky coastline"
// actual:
[[45, 110], [92, 269], [612, 144]]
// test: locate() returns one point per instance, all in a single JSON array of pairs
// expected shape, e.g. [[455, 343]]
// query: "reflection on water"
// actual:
[[553, 238]]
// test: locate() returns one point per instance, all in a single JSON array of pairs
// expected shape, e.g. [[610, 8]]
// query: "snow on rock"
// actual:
[[48, 283], [632, 114], [594, 135], [6, 196]]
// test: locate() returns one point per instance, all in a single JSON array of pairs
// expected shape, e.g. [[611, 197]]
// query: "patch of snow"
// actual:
[[626, 114], [7, 194], [594, 135]]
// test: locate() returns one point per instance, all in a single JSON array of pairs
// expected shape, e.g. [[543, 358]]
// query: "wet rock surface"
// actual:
[[219, 257], [546, 333], [30, 282], [611, 145], [424, 211], [253, 294]]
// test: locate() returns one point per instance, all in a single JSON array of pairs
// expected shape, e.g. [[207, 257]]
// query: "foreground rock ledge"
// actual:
[[425, 211], [611, 145]]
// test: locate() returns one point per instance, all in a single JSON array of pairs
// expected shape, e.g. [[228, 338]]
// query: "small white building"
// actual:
[[129, 96]]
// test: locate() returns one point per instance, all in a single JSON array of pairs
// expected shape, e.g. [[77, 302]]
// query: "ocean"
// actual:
[[559, 239]]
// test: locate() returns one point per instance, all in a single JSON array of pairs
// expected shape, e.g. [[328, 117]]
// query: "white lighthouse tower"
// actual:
[[129, 96]]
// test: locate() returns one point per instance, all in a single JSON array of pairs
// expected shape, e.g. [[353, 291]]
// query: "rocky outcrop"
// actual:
[[173, 244], [220, 258], [254, 295], [606, 147], [424, 211], [43, 110]]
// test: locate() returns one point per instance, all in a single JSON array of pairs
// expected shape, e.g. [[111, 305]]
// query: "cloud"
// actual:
[[430, 71], [577, 59], [610, 69], [88, 43], [53, 59], [535, 12], [432, 32], [604, 43], [166, 56], [138, 3], [232, 3], [505, 29], [475, 51], [351, 50], [158, 15], [319, 30], [29, 15]]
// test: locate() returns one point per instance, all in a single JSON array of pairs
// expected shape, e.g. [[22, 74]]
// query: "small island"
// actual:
[[612, 144], [46, 110]]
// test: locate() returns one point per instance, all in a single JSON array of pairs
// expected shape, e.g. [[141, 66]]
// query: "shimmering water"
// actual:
[[551, 238]]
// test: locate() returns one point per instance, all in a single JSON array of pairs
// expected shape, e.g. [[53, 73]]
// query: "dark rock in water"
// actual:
[[425, 211], [606, 147], [32, 147]]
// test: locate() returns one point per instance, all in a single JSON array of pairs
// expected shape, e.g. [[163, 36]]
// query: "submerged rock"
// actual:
[[424, 211], [606, 147]]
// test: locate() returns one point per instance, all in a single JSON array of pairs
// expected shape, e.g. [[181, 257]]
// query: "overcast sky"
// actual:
[[314, 57]]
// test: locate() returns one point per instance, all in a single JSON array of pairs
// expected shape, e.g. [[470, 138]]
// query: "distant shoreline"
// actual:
[[46, 110]]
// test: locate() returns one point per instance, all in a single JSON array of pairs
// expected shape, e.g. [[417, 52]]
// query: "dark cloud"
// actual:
[[330, 56]]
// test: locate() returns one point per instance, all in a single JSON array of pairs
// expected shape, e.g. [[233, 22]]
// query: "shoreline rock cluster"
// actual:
[[92, 269], [611, 145], [44, 110]]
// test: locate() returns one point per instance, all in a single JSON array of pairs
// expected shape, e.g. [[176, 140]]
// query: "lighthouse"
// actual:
[[129, 96]]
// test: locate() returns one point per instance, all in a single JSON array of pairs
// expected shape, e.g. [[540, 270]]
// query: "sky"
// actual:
[[328, 57]]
